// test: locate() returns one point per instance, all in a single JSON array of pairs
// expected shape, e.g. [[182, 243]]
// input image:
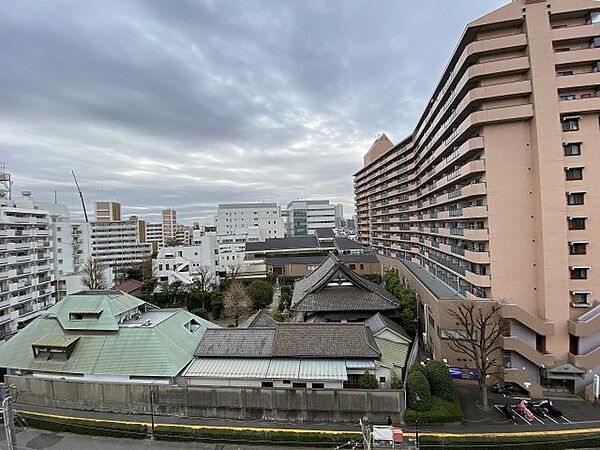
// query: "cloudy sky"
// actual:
[[187, 104]]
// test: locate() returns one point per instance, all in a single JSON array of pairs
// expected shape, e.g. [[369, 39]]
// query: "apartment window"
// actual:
[[299, 385], [577, 223], [566, 97], [571, 124], [579, 298], [562, 49], [574, 173], [318, 385], [577, 248], [575, 198], [572, 149], [579, 273], [564, 73], [266, 384]]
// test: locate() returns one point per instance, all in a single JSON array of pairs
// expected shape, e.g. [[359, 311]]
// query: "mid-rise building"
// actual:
[[154, 235], [26, 269], [339, 215], [119, 244], [306, 216], [107, 211], [495, 194], [237, 218], [188, 263]]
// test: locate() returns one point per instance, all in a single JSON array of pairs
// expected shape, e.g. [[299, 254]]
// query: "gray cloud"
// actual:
[[190, 103]]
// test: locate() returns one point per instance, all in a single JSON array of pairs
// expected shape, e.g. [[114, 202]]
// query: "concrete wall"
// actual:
[[304, 405]]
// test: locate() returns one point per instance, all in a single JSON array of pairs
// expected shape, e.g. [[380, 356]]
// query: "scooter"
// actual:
[[504, 389], [549, 407], [508, 412]]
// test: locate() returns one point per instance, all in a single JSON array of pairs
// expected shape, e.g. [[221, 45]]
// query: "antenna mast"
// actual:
[[5, 182], [81, 197]]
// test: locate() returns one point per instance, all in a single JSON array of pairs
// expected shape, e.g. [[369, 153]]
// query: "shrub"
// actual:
[[418, 367], [80, 426], [373, 277], [284, 438], [440, 380], [261, 294], [418, 391], [368, 381], [441, 411], [396, 382]]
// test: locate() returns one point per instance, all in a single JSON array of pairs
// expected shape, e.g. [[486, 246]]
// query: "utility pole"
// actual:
[[152, 412], [9, 423]]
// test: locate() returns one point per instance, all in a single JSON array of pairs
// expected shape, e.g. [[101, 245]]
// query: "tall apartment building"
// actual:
[[339, 215], [496, 193], [107, 211], [154, 235], [306, 216], [169, 224], [26, 273], [119, 244]]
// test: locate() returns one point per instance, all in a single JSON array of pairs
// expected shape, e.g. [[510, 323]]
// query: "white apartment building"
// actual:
[[237, 218], [182, 263], [305, 216], [26, 273], [119, 244], [238, 223], [154, 235]]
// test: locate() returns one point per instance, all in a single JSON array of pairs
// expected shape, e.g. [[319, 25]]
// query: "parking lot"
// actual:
[[519, 419]]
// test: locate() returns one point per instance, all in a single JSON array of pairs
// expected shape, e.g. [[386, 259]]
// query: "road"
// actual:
[[41, 440]]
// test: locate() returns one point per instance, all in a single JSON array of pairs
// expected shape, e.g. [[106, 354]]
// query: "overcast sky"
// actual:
[[187, 104]]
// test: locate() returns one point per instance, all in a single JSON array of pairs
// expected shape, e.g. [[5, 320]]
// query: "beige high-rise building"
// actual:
[[496, 193], [107, 211], [169, 224]]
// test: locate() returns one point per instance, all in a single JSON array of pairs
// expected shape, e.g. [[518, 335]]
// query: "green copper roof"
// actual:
[[392, 353], [56, 341], [162, 349]]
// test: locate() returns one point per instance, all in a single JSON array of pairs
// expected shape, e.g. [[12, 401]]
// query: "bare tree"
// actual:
[[93, 275], [203, 278], [146, 268], [171, 242], [233, 271], [237, 301], [479, 339]]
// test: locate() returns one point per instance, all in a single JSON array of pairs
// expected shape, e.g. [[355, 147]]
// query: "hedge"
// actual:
[[417, 385], [88, 427], [518, 442], [170, 433], [440, 380], [441, 411]]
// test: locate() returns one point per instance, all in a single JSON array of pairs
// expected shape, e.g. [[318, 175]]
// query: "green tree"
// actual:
[[407, 300], [396, 382], [147, 290], [368, 381], [261, 294]]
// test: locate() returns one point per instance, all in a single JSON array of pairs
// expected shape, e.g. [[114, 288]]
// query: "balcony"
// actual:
[[573, 33], [478, 280], [511, 343], [580, 105], [578, 81], [515, 312]]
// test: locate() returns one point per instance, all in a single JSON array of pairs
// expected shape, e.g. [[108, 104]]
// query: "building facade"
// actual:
[[306, 216], [496, 193], [184, 263], [169, 224], [237, 218], [107, 211], [26, 269]]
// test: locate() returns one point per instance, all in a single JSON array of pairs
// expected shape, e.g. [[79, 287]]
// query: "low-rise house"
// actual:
[[260, 319], [130, 286], [334, 293], [105, 336], [394, 343], [288, 355]]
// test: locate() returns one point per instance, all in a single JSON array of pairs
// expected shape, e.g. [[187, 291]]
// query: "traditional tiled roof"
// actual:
[[334, 287], [259, 319], [288, 243], [237, 342], [325, 233], [290, 340], [378, 322], [344, 243], [318, 259], [161, 349]]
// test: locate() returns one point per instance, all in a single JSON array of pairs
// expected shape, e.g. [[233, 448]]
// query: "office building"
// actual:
[[339, 215], [306, 216], [185, 263], [496, 194], [237, 218]]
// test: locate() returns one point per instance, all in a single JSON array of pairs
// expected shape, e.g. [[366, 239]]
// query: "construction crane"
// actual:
[[81, 197]]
